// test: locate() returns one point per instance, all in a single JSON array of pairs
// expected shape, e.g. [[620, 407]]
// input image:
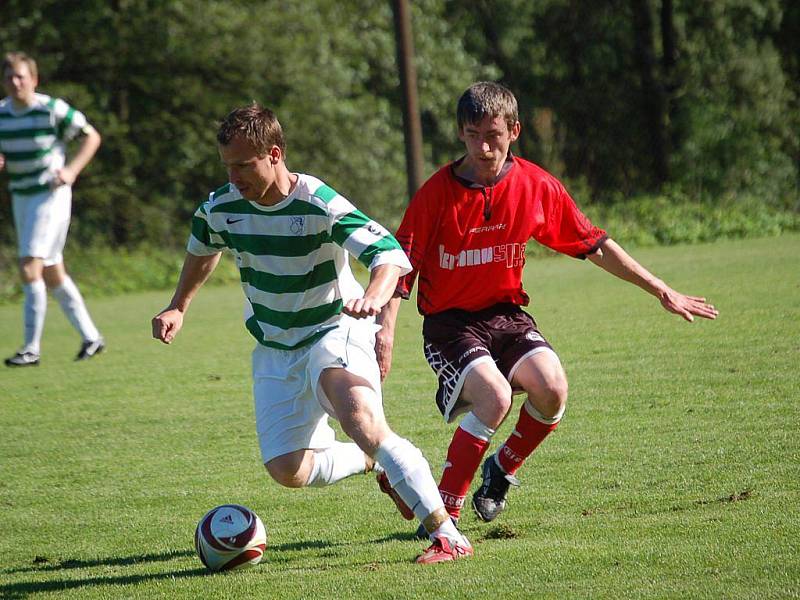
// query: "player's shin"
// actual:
[[410, 476], [469, 444], [531, 429], [34, 311]]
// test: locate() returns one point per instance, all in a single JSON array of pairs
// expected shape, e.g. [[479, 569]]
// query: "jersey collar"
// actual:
[[474, 184]]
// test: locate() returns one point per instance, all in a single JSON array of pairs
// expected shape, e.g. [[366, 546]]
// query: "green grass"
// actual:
[[674, 474]]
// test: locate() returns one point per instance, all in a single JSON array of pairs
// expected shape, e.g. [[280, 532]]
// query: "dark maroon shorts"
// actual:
[[457, 340]]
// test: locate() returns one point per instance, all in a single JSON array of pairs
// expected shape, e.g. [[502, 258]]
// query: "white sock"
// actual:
[[34, 310], [410, 475], [451, 532], [74, 308], [335, 463]]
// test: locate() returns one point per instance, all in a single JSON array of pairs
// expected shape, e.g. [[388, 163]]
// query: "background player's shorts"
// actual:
[[41, 222], [290, 407], [458, 340]]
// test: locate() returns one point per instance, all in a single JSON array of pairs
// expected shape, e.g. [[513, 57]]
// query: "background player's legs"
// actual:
[[489, 394], [71, 301], [35, 303]]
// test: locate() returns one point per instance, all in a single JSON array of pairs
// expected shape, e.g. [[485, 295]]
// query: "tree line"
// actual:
[[696, 101]]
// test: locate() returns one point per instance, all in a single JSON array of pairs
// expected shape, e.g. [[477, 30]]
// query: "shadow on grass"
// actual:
[[44, 564], [24, 589]]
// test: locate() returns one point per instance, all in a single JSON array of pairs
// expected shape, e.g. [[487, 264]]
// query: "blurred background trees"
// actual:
[[689, 101]]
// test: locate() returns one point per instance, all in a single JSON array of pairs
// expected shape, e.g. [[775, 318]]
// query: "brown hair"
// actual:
[[256, 124], [12, 59], [486, 98]]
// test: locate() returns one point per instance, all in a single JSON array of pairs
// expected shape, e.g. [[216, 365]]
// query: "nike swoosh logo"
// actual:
[[232, 221]]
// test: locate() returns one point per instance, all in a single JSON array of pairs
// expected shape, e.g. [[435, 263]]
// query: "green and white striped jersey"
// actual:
[[33, 141], [293, 256]]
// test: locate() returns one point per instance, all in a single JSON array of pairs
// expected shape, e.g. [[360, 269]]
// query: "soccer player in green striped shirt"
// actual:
[[291, 236], [34, 129]]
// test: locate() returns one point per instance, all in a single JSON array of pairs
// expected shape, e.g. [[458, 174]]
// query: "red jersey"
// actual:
[[467, 242]]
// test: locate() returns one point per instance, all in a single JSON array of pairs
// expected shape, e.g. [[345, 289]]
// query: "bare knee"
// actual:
[[291, 470], [490, 399], [30, 269], [550, 398]]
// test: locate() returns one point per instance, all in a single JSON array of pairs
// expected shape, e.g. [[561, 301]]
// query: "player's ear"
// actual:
[[275, 155], [514, 130]]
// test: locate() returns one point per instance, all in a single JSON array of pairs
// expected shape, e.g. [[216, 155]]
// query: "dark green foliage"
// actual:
[[624, 100]]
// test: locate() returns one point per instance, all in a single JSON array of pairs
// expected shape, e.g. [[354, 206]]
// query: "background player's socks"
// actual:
[[74, 308], [34, 310], [531, 428], [469, 444]]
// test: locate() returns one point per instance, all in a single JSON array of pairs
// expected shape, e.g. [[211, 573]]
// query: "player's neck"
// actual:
[[24, 102], [280, 189], [478, 174]]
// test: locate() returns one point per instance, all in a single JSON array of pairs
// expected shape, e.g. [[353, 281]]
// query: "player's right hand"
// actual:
[[2, 162], [166, 325]]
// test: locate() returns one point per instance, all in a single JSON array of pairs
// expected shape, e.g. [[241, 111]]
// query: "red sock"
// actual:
[[463, 459], [527, 435]]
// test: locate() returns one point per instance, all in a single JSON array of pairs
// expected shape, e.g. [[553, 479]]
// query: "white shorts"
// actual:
[[290, 407], [42, 221]]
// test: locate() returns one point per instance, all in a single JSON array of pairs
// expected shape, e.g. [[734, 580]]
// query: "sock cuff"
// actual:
[[536, 415], [67, 285], [34, 286], [477, 428]]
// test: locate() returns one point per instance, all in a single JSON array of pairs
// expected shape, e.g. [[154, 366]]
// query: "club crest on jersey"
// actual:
[[297, 225], [534, 336]]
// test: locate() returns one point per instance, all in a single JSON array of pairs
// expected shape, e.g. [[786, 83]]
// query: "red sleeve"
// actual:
[[566, 229], [414, 235]]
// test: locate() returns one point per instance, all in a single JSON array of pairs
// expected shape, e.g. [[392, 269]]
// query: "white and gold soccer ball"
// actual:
[[230, 536]]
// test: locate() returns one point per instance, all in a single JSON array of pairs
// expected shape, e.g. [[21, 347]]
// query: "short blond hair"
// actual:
[[12, 59]]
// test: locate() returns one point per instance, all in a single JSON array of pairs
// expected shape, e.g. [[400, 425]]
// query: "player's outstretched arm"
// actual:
[[612, 258], [384, 339], [196, 270]]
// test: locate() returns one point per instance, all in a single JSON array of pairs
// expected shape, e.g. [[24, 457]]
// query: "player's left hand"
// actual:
[[64, 176], [688, 307], [361, 308]]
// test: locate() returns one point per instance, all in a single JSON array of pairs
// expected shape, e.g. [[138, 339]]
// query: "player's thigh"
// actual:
[[345, 378], [488, 392], [288, 416], [542, 376]]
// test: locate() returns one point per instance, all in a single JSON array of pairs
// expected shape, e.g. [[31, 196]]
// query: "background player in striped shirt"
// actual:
[[34, 129], [465, 233], [291, 236]]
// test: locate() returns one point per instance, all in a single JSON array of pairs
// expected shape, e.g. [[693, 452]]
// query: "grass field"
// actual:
[[676, 472]]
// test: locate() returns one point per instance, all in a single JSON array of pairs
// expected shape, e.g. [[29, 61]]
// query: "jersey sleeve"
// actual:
[[369, 241], [566, 229], [414, 235], [69, 122], [203, 240]]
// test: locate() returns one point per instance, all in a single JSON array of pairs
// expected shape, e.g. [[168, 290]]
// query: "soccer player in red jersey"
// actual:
[[465, 232]]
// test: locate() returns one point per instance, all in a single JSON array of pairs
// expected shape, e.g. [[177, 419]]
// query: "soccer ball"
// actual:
[[229, 537]]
